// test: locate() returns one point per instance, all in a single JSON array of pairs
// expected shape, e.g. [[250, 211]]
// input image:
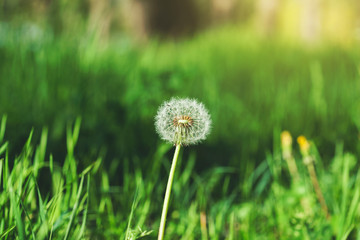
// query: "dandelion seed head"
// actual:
[[182, 121]]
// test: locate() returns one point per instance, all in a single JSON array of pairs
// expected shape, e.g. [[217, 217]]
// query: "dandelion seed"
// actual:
[[183, 121]]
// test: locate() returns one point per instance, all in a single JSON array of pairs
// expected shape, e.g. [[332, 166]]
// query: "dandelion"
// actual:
[[309, 162], [304, 145], [180, 122], [286, 145], [286, 139]]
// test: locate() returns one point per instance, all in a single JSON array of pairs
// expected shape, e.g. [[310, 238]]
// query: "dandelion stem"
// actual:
[[317, 189], [286, 144], [203, 226], [167, 193], [292, 168]]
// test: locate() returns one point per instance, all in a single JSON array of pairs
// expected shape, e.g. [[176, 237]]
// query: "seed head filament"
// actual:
[[183, 125], [183, 121]]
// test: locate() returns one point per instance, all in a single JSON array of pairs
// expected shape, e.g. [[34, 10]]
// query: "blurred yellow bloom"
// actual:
[[304, 145], [286, 139]]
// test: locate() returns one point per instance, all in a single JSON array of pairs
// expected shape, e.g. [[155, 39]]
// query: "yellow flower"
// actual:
[[286, 139], [304, 145]]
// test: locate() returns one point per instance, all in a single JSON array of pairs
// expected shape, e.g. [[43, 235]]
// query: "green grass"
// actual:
[[38, 216], [103, 176], [77, 203], [250, 86]]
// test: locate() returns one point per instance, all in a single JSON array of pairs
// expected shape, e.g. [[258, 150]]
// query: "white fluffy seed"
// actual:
[[182, 121]]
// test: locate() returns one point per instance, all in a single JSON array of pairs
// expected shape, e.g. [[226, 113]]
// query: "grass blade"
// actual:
[[42, 208], [134, 203], [2, 128], [7, 231], [15, 207], [73, 213], [1, 166], [3, 147], [83, 225]]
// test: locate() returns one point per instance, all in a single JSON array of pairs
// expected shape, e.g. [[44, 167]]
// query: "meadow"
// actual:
[[80, 158]]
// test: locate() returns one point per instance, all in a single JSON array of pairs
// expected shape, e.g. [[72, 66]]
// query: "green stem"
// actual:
[[292, 168], [317, 189], [1, 163], [167, 193]]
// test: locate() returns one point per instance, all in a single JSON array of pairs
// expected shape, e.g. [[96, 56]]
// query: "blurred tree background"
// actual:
[[259, 66]]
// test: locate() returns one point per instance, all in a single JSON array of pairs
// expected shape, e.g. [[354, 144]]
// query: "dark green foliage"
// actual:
[[249, 86]]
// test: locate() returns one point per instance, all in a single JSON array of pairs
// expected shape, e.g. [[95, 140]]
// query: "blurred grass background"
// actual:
[[259, 66], [251, 87]]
